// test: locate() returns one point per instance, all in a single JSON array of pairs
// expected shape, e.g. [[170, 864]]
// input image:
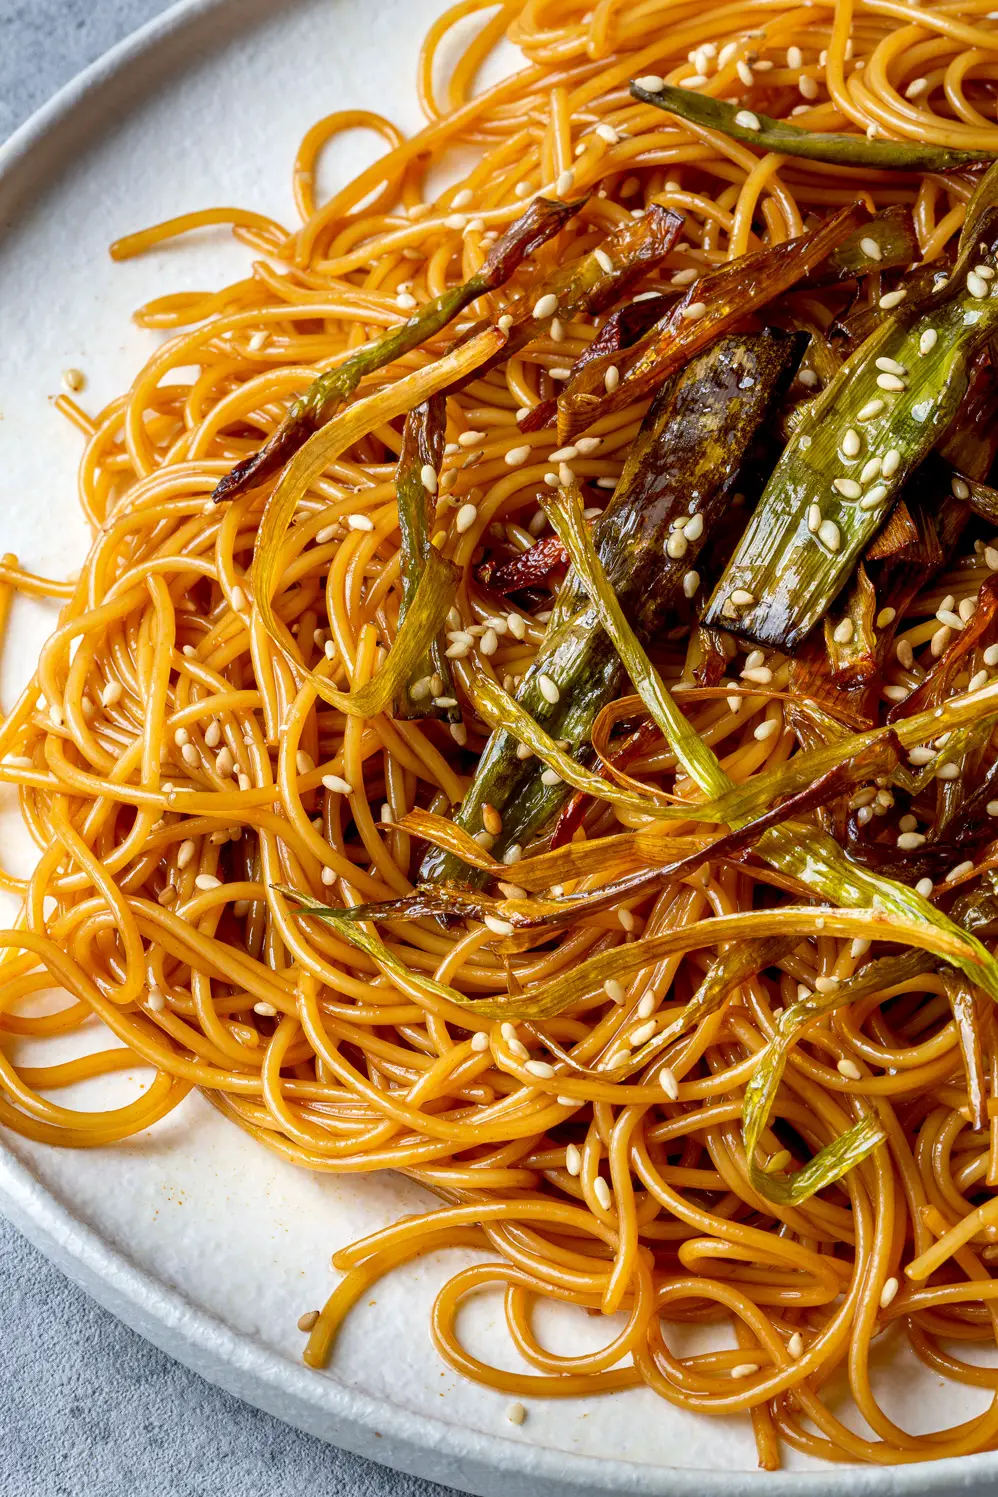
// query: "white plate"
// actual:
[[192, 1234]]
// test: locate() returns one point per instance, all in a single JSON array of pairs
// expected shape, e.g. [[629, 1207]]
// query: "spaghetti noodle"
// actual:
[[193, 763]]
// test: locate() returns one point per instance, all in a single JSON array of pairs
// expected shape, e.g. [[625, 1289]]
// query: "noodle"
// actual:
[[190, 747]]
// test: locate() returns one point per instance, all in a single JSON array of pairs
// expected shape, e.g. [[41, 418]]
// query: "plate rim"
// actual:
[[376, 1428]]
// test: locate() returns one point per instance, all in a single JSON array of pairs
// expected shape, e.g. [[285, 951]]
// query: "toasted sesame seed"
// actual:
[[602, 1193], [539, 1068], [517, 456], [742, 598], [829, 535], [976, 284], [491, 820], [871, 409], [337, 784], [611, 379], [546, 306], [871, 248], [890, 382], [892, 299], [667, 1081], [465, 518], [847, 487]]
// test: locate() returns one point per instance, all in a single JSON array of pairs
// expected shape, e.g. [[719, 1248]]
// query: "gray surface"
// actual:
[[86, 1406]]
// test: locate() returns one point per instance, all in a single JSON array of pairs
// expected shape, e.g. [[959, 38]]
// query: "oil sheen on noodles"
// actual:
[[207, 741]]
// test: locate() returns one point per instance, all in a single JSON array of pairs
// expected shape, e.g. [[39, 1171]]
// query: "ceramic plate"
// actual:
[[198, 1238]]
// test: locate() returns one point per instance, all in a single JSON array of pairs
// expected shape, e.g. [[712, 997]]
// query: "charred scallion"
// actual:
[[679, 476], [415, 488], [540, 222], [845, 464], [766, 134]]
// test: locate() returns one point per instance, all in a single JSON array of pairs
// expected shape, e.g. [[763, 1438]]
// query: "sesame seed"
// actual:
[[892, 299], [745, 1369], [759, 673], [925, 885], [966, 608], [977, 285], [456, 221], [795, 1346], [851, 443], [684, 277], [890, 382], [829, 535], [516, 1413], [337, 784], [985, 272], [186, 853], [949, 618], [873, 497], [406, 302], [489, 642], [967, 866], [795, 57], [910, 841], [940, 641], [586, 445], [905, 654], [538, 1068], [550, 777], [517, 456], [676, 546], [546, 306], [871, 409], [643, 1033], [465, 518], [734, 703], [267, 1010], [111, 693], [691, 582], [646, 1007], [742, 598], [890, 366], [891, 463], [847, 487], [888, 1293], [603, 260], [361, 522], [626, 919], [207, 881], [850, 1070], [499, 927], [814, 518], [859, 947], [611, 379], [607, 133], [548, 689], [693, 80], [766, 729], [667, 1081], [602, 1193], [651, 83], [895, 693], [190, 755], [959, 488], [843, 632], [808, 87], [870, 470], [977, 681], [745, 76], [871, 248], [573, 1159]]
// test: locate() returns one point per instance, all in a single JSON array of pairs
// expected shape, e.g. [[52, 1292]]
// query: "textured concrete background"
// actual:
[[88, 1409]]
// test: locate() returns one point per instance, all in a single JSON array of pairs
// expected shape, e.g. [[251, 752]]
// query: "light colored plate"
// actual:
[[192, 1234]]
